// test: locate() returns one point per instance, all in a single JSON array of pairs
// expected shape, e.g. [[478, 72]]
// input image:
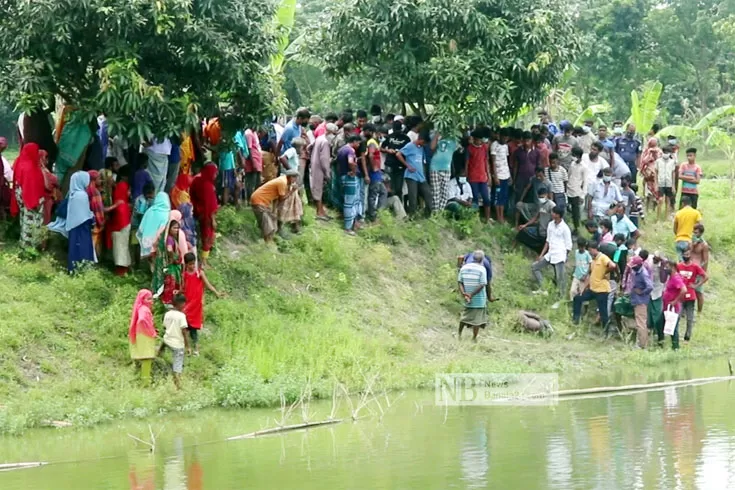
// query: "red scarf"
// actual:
[[142, 314], [28, 175], [204, 192]]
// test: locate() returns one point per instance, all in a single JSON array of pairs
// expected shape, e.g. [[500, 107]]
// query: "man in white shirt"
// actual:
[[556, 248], [501, 174], [577, 186]]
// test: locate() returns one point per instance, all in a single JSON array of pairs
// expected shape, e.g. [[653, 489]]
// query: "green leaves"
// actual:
[[146, 64], [644, 108], [471, 60]]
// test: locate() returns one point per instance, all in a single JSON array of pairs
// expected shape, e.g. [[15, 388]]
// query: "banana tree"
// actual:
[[644, 107], [702, 129], [725, 142], [592, 112], [284, 21]]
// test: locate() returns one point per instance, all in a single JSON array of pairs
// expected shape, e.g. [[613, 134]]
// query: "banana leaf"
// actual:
[[644, 108], [714, 116], [591, 112], [284, 21]]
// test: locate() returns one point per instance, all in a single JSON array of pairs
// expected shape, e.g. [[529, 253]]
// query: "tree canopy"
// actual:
[[468, 61], [146, 64]]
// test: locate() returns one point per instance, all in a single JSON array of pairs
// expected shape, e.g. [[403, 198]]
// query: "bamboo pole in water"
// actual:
[[18, 466], [285, 428], [640, 387]]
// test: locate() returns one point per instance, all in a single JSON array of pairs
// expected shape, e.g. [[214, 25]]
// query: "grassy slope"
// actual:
[[324, 307]]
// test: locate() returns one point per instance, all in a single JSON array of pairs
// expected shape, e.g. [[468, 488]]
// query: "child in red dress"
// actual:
[[194, 281]]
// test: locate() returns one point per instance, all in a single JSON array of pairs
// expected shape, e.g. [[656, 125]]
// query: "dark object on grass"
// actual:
[[531, 322]]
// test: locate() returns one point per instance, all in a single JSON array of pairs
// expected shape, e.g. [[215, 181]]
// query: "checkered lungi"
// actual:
[[439, 189]]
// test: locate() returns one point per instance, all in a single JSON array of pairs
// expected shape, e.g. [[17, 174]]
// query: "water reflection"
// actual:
[[671, 439], [474, 456]]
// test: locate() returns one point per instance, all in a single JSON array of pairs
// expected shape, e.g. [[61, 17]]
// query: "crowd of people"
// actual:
[[157, 203], [550, 173]]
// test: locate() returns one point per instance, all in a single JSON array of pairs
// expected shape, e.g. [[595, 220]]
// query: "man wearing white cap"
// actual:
[[321, 173]]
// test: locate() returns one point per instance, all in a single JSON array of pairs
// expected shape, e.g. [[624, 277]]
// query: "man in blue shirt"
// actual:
[[412, 157], [293, 130], [629, 148], [472, 280], [546, 120]]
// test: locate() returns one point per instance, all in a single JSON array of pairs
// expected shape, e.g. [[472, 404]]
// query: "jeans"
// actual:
[[415, 189], [561, 277], [589, 295], [688, 310], [576, 204], [377, 197], [480, 190]]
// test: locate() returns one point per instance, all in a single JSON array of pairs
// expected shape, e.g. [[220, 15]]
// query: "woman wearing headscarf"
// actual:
[[142, 334], [648, 167], [76, 223], [119, 227], [152, 225], [28, 198], [187, 222], [169, 259], [180, 190], [98, 209], [204, 199]]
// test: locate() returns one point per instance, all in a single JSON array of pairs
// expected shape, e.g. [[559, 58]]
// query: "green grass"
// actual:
[[320, 308]]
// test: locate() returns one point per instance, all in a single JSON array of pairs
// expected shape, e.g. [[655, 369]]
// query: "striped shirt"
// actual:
[[472, 276], [557, 178]]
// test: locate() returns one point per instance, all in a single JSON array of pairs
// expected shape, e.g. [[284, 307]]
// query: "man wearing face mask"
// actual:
[[321, 173], [293, 130], [603, 194], [665, 168], [629, 148], [622, 224], [694, 277], [587, 137]]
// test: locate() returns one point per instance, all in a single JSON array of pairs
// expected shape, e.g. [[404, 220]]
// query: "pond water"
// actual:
[[676, 438]]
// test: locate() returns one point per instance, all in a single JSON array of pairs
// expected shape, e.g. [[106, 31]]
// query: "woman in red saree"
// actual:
[[118, 228], [28, 197], [204, 198]]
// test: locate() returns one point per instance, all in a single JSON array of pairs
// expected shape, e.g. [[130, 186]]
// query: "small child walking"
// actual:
[[194, 281], [582, 261], [175, 339]]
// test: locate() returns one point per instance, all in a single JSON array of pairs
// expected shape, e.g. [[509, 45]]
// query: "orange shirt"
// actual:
[[270, 191], [212, 131]]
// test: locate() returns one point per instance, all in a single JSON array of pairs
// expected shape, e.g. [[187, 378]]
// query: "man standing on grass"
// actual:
[[599, 286], [472, 281], [694, 277], [563, 143], [411, 156], [690, 175], [684, 221], [556, 249], [629, 148]]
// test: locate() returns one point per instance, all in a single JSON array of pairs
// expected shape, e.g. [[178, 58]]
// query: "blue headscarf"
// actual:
[[78, 210], [153, 223]]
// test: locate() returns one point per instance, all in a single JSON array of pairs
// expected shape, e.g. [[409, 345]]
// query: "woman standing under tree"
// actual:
[[28, 198], [76, 224], [204, 199]]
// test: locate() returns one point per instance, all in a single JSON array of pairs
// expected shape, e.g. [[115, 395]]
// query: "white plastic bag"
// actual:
[[671, 318]]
